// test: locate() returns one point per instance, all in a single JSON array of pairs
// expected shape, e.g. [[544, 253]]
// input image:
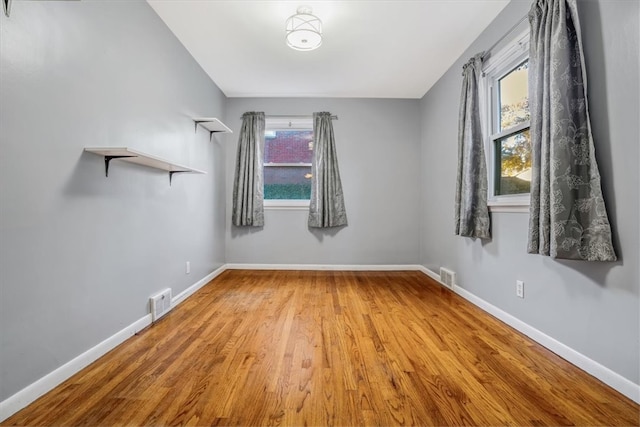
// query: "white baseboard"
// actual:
[[604, 374], [33, 391], [193, 288], [29, 394], [326, 267], [435, 276]]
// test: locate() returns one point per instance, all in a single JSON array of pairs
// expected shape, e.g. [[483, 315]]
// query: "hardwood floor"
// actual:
[[329, 348]]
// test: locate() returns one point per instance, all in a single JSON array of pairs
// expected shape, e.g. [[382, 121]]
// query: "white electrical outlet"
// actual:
[[187, 268], [520, 288]]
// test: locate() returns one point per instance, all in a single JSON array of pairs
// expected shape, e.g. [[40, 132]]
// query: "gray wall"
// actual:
[[378, 143], [591, 307], [80, 254]]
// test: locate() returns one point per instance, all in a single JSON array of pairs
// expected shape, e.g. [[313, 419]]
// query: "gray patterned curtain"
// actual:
[[472, 213], [326, 208], [248, 190], [568, 218]]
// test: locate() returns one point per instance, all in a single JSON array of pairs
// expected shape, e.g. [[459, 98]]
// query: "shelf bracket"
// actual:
[[197, 122], [107, 160], [171, 175]]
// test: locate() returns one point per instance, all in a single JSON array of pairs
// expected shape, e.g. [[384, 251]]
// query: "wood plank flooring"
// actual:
[[329, 349]]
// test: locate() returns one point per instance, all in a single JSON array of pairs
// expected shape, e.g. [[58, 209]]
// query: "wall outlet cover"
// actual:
[[520, 288]]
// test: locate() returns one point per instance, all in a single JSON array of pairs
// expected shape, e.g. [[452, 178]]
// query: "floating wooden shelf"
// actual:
[[211, 124], [139, 158]]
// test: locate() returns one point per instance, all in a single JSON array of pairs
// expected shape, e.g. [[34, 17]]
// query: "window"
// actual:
[[507, 122], [288, 150]]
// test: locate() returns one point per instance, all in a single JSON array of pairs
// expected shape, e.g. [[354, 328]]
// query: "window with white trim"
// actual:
[[288, 150], [506, 124]]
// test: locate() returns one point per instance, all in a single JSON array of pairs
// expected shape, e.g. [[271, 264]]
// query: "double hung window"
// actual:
[[506, 124], [288, 153]]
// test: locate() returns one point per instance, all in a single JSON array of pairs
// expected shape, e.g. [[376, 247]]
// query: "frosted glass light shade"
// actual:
[[304, 30]]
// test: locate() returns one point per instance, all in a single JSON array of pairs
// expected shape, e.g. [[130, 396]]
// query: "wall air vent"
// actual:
[[160, 304], [448, 277]]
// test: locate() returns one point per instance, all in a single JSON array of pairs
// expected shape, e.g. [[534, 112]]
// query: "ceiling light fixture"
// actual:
[[304, 30]]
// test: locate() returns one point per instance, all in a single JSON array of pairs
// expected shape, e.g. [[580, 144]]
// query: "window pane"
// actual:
[[288, 146], [513, 164], [287, 182], [285, 149], [514, 97]]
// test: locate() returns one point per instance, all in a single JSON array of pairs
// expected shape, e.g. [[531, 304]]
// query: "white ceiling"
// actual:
[[370, 49]]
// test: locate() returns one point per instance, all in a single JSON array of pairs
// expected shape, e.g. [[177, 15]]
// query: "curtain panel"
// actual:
[[326, 208], [471, 211], [248, 190], [568, 218]]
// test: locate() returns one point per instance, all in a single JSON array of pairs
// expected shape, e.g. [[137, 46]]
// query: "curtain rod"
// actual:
[[520, 21], [293, 116]]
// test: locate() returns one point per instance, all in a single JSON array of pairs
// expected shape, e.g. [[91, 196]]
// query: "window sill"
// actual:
[[286, 205], [509, 207]]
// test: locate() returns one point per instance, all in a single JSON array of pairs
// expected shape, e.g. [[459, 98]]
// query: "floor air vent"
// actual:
[[447, 277], [160, 304]]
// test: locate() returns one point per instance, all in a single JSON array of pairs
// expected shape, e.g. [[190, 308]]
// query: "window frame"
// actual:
[[500, 64], [287, 123]]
